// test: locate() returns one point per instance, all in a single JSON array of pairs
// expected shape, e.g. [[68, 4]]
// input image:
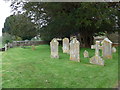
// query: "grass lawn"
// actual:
[[25, 68]]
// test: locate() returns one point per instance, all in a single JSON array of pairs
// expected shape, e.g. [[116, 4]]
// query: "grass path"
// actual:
[[25, 68]]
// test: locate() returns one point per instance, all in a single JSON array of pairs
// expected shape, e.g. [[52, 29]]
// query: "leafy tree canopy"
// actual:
[[20, 25], [66, 19]]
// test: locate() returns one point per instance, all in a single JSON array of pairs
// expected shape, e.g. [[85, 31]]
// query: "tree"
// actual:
[[65, 19], [20, 25]]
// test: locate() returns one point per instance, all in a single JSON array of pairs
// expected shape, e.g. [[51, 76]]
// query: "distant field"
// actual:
[[25, 68]]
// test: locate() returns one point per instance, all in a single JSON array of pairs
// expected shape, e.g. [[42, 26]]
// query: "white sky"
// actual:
[[5, 11]]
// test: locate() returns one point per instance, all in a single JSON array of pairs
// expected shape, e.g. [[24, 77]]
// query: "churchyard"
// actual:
[[60, 45], [60, 66]]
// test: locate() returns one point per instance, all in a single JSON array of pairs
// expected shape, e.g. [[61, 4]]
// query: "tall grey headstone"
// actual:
[[54, 48], [66, 45], [106, 48], [96, 59], [75, 50], [86, 54]]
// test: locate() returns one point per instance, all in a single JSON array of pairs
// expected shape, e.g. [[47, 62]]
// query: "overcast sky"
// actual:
[[5, 11]]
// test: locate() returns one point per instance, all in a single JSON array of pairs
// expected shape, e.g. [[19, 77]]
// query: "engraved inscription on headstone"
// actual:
[[106, 48], [54, 48], [65, 45], [75, 50]]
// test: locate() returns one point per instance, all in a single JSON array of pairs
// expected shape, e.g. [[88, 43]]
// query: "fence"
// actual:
[[22, 43], [27, 43]]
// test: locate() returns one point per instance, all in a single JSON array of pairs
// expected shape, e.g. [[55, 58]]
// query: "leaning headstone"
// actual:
[[86, 54], [33, 47], [114, 49], [54, 48], [75, 50], [106, 48], [65, 45], [6, 47], [96, 59]]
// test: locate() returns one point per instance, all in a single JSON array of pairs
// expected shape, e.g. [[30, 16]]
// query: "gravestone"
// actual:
[[11, 45], [86, 54], [65, 45], [106, 48], [6, 47], [96, 59], [114, 49], [75, 50], [14, 43], [54, 48], [99, 38], [33, 47]]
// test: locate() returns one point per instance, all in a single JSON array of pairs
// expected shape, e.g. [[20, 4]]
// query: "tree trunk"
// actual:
[[86, 39]]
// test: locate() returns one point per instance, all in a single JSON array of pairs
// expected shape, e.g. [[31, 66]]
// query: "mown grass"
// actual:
[[25, 68]]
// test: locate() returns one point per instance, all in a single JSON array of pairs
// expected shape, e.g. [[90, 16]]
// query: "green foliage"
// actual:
[[25, 68], [64, 19], [17, 38], [6, 37], [20, 26], [71, 18]]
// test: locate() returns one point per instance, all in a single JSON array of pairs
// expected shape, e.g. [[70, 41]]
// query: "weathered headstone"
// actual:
[[75, 50], [65, 45], [106, 48], [33, 47], [86, 54], [114, 49], [96, 59], [14, 43], [10, 45], [54, 48], [6, 47]]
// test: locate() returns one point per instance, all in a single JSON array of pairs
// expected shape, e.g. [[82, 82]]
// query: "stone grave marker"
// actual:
[[6, 47], [54, 48], [75, 50], [106, 48], [33, 47], [86, 54], [114, 49], [96, 59], [65, 45]]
